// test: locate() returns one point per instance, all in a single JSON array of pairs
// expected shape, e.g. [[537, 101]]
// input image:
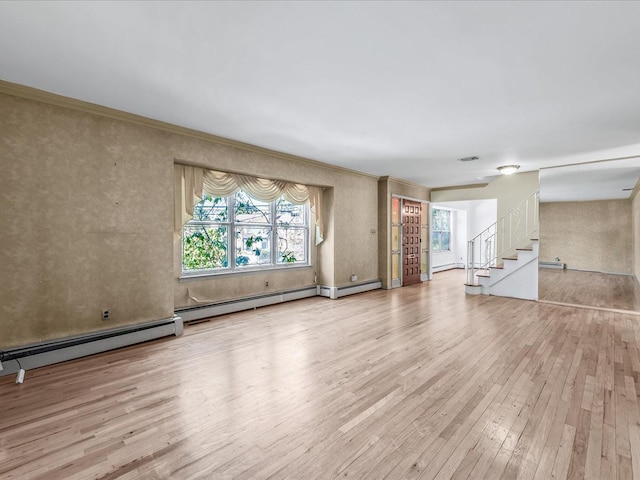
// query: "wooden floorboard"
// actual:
[[603, 290], [422, 382]]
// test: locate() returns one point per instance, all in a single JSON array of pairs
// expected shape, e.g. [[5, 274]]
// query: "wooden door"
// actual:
[[410, 242]]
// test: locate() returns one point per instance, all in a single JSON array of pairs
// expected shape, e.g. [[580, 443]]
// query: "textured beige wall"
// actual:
[[387, 187], [593, 235], [356, 220], [326, 250], [86, 221]]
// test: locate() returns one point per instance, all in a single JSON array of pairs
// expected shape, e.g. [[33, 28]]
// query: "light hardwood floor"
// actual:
[[603, 290], [418, 382]]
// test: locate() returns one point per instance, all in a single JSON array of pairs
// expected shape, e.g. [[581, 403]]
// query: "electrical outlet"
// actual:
[[106, 314], [354, 277], [266, 284]]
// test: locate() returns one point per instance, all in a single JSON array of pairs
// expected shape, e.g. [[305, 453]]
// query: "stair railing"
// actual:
[[520, 223]]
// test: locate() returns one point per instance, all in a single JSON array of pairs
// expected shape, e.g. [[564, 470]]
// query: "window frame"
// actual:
[[233, 227], [438, 232]]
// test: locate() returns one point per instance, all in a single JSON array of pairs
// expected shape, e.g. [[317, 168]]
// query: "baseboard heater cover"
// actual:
[[448, 266], [198, 312], [337, 292], [558, 265], [56, 351]]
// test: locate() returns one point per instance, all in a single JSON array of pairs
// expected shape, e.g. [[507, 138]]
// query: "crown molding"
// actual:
[[459, 187], [407, 182], [591, 162], [30, 93]]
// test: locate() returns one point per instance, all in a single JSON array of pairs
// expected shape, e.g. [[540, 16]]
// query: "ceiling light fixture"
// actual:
[[508, 169]]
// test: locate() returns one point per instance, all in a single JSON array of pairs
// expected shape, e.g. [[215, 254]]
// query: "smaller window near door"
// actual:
[[441, 238]]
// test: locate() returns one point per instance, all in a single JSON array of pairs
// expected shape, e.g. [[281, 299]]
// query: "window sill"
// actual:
[[190, 277]]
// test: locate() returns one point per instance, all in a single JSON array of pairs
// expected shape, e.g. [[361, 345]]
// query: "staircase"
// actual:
[[514, 271], [516, 277]]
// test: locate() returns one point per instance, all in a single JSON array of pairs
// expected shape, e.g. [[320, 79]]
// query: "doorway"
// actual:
[[411, 251], [410, 254]]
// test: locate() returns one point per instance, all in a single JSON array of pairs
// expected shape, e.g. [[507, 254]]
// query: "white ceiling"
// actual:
[[388, 88], [612, 180]]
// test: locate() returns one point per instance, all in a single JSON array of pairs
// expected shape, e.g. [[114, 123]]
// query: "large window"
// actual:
[[239, 232], [441, 233]]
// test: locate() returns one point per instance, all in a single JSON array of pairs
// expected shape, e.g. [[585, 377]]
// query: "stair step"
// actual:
[[534, 239], [472, 285], [498, 266], [510, 258], [485, 275], [525, 249]]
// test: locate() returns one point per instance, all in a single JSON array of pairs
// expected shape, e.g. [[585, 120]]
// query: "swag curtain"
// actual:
[[192, 182]]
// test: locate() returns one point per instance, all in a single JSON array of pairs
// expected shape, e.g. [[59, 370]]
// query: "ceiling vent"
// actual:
[[469, 159]]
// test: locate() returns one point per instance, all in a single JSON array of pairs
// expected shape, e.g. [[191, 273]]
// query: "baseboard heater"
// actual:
[[448, 266], [337, 292], [558, 265], [199, 312], [48, 353]]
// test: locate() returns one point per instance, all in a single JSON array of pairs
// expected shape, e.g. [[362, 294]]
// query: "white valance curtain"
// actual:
[[192, 182]]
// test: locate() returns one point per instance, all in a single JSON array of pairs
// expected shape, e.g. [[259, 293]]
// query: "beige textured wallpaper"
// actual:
[[588, 235], [86, 222], [83, 223]]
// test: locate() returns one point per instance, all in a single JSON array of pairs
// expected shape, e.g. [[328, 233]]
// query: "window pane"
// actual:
[[211, 209], [444, 220], [435, 241], [204, 247], [436, 219], [395, 239], [289, 213], [395, 266], [395, 210], [445, 241], [291, 245], [253, 246], [249, 210]]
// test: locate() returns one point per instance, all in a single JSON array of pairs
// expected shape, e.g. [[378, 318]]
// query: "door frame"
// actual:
[[424, 276]]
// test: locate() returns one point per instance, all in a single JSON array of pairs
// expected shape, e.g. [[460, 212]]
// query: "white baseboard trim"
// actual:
[[190, 314], [47, 353], [337, 292]]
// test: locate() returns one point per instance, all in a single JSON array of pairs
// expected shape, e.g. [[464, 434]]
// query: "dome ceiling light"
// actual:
[[508, 169]]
